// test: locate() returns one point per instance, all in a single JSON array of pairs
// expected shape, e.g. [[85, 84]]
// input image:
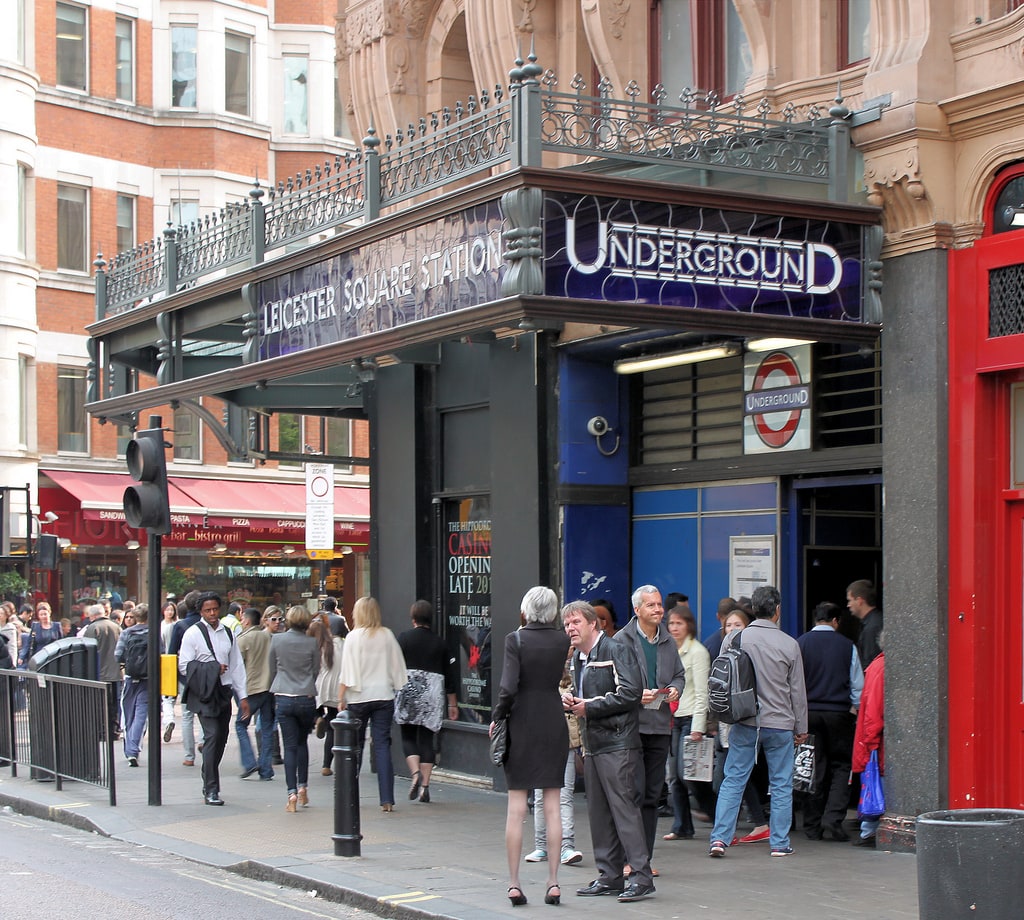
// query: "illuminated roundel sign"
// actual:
[[776, 399]]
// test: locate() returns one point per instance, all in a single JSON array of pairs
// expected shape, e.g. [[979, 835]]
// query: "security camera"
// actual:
[[597, 426]]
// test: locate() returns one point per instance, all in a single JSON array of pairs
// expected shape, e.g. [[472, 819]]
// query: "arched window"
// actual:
[[1004, 207]]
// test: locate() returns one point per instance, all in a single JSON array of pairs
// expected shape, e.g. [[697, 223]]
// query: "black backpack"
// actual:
[[732, 685], [136, 654]]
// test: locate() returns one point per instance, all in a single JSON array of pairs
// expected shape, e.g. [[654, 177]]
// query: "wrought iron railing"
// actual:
[[505, 129], [58, 727]]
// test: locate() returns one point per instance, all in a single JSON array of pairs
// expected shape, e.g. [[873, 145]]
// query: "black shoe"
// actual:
[[425, 795], [837, 833], [813, 833], [865, 842], [277, 760], [247, 773], [636, 891], [321, 726], [213, 799], [133, 761], [414, 789], [597, 888], [664, 811]]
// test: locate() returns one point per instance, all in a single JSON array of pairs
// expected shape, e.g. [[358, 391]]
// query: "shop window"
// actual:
[[72, 46], [854, 31], [237, 54], [72, 228], [186, 438], [72, 422], [125, 222], [296, 94], [184, 58], [124, 59], [699, 45]]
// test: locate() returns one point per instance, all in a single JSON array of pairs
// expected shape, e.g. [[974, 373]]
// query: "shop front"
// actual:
[[243, 539]]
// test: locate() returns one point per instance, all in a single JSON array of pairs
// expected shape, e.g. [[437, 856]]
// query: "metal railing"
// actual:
[[58, 728], [505, 129]]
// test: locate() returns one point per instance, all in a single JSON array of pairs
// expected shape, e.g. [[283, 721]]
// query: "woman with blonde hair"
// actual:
[[372, 672], [294, 666]]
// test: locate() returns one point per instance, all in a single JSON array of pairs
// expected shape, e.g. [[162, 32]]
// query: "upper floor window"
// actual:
[[21, 38], [72, 46], [184, 55], [237, 53], [72, 422], [24, 211], [699, 45], [72, 228], [186, 436], [124, 58], [26, 400], [854, 31], [296, 94], [125, 222]]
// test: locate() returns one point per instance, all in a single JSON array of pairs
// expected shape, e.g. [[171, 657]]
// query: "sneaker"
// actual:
[[168, 731], [133, 761], [782, 851], [717, 850], [571, 857], [537, 856]]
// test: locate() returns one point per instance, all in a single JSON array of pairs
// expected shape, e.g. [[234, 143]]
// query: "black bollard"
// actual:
[[346, 834]]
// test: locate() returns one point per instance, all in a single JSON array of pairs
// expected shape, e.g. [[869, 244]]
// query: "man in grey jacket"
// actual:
[[662, 677], [781, 721]]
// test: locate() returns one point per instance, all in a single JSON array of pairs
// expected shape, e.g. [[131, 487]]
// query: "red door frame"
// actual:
[[986, 537]]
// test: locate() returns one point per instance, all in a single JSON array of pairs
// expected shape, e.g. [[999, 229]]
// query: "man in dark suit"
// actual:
[[606, 698]]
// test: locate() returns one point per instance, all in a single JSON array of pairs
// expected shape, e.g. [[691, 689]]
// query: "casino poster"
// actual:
[[777, 400]]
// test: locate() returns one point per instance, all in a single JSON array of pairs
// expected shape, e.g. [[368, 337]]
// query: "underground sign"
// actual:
[[777, 396]]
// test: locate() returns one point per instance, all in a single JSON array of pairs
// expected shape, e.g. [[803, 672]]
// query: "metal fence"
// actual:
[[57, 727]]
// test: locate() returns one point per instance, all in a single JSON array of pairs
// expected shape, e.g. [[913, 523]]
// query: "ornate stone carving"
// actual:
[[523, 249], [893, 182], [525, 23], [618, 17]]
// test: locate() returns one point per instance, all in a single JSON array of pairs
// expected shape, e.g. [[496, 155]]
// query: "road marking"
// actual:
[[253, 894]]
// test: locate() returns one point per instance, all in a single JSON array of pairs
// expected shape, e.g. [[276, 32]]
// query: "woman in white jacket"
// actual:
[[331, 648]]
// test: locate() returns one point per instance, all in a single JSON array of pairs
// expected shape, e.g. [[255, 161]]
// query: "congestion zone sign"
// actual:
[[777, 401]]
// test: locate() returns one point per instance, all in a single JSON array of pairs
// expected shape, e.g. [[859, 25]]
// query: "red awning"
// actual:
[[214, 502]]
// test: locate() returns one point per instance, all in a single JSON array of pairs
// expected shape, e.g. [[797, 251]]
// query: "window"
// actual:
[[186, 436], [296, 94], [71, 46], [854, 31], [72, 228], [289, 436], [236, 73], [338, 437], [124, 435], [183, 66], [184, 212], [125, 222], [699, 45], [23, 210], [21, 36], [25, 400], [124, 56], [341, 128], [72, 424]]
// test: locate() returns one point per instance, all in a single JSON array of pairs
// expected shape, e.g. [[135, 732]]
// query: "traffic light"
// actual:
[[146, 504]]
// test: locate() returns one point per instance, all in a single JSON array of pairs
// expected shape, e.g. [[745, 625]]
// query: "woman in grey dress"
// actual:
[[538, 738]]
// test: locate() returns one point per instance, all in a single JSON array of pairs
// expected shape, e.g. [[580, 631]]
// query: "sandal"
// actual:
[[553, 899], [518, 900]]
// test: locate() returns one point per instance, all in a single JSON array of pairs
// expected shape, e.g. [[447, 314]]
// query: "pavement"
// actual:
[[446, 859]]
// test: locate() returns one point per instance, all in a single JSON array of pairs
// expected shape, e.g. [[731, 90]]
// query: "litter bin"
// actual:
[[969, 864]]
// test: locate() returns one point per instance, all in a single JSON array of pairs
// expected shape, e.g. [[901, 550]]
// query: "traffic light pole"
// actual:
[[153, 708]]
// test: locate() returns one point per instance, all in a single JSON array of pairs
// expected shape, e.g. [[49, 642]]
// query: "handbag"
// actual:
[[872, 798], [499, 742], [803, 766]]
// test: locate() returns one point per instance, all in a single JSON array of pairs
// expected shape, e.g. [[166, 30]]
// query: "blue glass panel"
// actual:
[[665, 501], [740, 497]]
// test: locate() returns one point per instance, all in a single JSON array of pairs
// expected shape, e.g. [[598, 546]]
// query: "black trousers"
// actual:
[[650, 780], [833, 752], [215, 737]]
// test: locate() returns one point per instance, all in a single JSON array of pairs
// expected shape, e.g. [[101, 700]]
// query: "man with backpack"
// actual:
[[132, 652], [779, 722]]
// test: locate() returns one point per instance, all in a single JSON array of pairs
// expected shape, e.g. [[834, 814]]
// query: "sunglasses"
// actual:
[[275, 619]]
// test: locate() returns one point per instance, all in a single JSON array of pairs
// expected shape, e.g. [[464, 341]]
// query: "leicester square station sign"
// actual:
[[615, 250]]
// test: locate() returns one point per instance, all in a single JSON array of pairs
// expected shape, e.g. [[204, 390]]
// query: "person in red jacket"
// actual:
[[869, 737]]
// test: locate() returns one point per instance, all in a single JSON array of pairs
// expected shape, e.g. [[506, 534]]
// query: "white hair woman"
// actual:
[[538, 737]]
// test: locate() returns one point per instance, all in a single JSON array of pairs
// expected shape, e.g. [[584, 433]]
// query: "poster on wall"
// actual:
[[751, 564], [466, 592]]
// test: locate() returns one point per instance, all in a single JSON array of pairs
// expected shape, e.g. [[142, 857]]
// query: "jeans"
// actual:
[[778, 751], [682, 819], [134, 709], [379, 715], [295, 715], [540, 830], [261, 708]]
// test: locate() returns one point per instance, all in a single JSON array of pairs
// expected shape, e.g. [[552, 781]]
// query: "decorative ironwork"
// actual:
[[134, 275], [214, 242], [1006, 301], [327, 195], [458, 143]]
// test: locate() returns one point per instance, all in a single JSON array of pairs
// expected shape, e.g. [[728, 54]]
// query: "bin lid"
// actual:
[[972, 816]]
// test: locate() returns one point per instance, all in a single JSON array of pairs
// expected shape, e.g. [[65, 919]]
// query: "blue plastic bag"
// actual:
[[872, 798]]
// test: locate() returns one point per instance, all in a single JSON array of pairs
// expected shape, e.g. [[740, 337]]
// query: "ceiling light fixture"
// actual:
[[676, 358], [773, 343]]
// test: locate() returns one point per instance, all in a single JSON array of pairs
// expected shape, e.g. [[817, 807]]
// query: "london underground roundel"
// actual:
[[777, 401]]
